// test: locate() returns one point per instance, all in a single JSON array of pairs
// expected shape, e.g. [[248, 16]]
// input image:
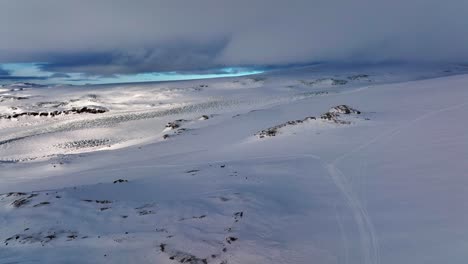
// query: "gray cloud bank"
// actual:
[[117, 36]]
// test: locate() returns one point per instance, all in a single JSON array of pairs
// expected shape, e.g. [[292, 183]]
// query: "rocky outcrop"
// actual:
[[76, 110], [333, 115], [344, 109], [272, 131], [85, 143], [358, 77], [325, 81], [175, 124]]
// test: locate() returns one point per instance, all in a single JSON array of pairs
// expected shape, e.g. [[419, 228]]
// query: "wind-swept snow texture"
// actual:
[[314, 165]]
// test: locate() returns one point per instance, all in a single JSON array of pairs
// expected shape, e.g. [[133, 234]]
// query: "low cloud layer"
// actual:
[[3, 73], [121, 36]]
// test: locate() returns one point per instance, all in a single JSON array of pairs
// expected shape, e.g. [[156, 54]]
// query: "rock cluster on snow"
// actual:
[[204, 117], [85, 143], [175, 124], [90, 109], [358, 77], [272, 131], [333, 115], [325, 81]]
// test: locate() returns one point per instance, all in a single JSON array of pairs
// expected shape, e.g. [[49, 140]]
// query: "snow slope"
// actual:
[[258, 169]]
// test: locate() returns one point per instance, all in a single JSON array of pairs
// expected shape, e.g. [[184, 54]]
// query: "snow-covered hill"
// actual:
[[321, 164]]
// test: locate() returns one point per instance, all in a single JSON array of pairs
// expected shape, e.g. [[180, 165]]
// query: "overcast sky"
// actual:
[[105, 37]]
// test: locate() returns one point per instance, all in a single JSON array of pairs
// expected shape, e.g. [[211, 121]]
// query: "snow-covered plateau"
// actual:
[[319, 164]]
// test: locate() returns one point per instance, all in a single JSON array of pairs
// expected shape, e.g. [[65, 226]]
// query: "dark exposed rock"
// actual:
[[332, 81], [238, 215], [172, 125], [50, 237], [20, 202], [103, 201], [41, 237], [224, 199], [231, 239], [332, 115], [41, 204], [272, 131], [175, 124], [193, 217], [358, 77], [162, 246], [339, 82], [183, 257], [90, 110], [344, 109], [120, 181], [80, 110], [23, 201], [85, 143], [15, 194], [145, 212]]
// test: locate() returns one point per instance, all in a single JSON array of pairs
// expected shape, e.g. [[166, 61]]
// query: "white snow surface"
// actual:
[[388, 185]]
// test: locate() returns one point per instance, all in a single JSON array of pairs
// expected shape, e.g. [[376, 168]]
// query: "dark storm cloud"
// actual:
[[123, 36], [4, 72], [181, 56], [21, 78], [60, 75]]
